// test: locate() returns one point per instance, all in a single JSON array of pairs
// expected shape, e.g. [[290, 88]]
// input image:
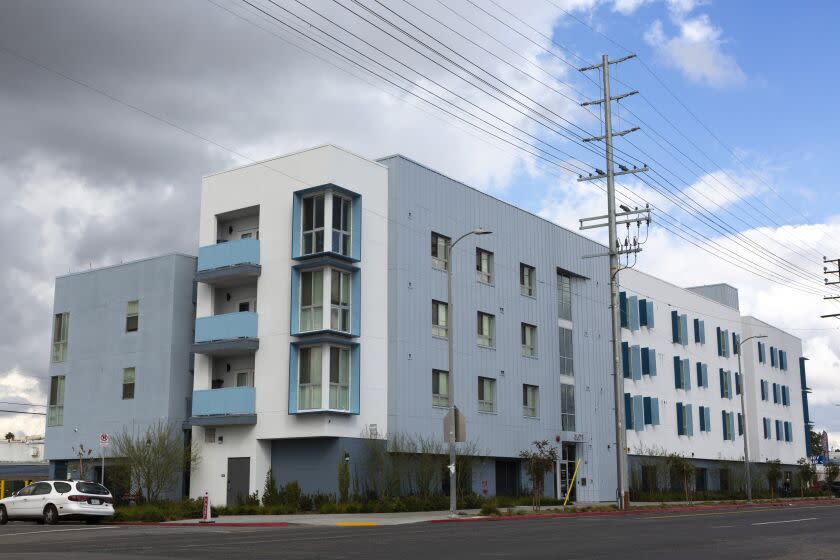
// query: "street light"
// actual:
[[453, 506], [744, 415]]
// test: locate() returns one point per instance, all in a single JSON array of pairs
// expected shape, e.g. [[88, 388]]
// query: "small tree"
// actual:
[[538, 463], [10, 436], [683, 469], [806, 474], [271, 496], [82, 453], [773, 474], [832, 471], [343, 477], [155, 457]]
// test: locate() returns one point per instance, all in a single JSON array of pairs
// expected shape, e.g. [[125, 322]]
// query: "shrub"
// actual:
[[290, 494], [490, 508], [271, 496], [162, 511]]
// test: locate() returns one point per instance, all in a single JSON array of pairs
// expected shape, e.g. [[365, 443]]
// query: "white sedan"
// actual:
[[51, 500]]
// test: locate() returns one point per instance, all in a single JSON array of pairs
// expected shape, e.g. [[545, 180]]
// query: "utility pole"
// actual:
[[828, 273], [747, 472], [615, 250]]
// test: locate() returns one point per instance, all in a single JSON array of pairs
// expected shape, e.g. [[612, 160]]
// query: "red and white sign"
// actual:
[[206, 512], [104, 440]]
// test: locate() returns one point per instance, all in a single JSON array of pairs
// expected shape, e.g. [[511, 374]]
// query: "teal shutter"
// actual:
[[652, 361], [699, 374], [702, 413], [295, 225], [650, 321], [675, 326], [729, 384], [633, 312], [625, 359], [355, 379], [648, 415], [645, 362], [686, 371], [628, 411], [654, 411], [684, 329], [723, 424], [680, 420], [636, 362], [677, 373], [702, 332], [719, 347], [643, 312], [689, 420], [356, 303], [705, 376], [294, 315], [722, 385], [638, 413], [708, 419], [356, 228]]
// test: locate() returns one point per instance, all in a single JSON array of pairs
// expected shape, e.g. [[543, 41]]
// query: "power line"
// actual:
[[24, 404], [24, 412]]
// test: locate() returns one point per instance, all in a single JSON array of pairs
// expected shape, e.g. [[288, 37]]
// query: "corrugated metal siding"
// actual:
[[422, 201], [721, 293]]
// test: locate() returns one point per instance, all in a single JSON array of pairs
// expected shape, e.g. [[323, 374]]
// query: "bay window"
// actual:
[[340, 300], [311, 300], [312, 230], [309, 378], [339, 378]]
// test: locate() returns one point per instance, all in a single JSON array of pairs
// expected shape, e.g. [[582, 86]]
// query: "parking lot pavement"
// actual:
[[778, 532]]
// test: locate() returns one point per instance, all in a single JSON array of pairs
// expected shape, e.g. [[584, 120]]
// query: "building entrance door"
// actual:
[[238, 479], [507, 481], [566, 464]]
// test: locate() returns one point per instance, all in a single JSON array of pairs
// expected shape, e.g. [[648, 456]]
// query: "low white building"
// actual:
[[682, 385], [21, 461]]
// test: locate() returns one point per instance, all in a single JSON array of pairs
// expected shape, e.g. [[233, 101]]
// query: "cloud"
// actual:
[[19, 388], [696, 49], [627, 7]]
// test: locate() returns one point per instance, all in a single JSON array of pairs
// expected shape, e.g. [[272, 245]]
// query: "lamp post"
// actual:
[[453, 506], [744, 416]]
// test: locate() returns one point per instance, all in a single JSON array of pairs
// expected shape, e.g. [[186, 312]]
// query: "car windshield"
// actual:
[[91, 488]]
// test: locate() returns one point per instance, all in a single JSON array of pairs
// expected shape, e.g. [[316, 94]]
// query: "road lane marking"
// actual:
[[722, 526], [356, 524], [57, 531], [785, 521]]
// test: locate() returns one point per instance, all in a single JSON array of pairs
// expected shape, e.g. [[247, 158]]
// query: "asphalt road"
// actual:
[[788, 532]]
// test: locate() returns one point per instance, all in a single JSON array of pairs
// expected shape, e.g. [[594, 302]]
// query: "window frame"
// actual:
[[342, 387], [209, 434], [482, 275], [564, 296], [55, 409], [440, 330], [528, 350], [567, 361], [129, 315], [527, 282], [310, 309], [486, 405], [310, 388], [440, 241], [60, 335], [345, 234], [440, 400], [315, 230], [530, 409], [129, 387], [485, 340], [566, 399], [342, 310]]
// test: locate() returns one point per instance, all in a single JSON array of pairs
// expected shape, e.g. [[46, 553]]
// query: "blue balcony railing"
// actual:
[[230, 253], [230, 401], [230, 326]]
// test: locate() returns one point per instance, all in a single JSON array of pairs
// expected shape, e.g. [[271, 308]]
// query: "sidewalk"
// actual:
[[332, 520]]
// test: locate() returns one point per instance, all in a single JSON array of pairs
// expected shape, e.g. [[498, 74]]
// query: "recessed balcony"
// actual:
[[229, 262], [224, 407], [226, 335]]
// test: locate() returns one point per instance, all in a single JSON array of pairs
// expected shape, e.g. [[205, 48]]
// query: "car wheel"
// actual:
[[50, 515], [4, 517]]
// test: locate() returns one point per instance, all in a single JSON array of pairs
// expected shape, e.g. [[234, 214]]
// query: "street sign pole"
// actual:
[[104, 441]]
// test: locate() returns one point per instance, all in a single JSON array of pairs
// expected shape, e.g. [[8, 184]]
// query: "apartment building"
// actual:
[[120, 356], [322, 322], [683, 384]]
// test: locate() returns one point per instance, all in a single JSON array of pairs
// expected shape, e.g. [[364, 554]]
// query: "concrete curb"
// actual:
[[197, 524], [641, 512]]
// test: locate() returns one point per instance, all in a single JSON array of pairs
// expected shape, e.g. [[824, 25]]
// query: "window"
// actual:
[[440, 248], [567, 407], [486, 329], [339, 378], [529, 340], [245, 378], [132, 316], [209, 435], [725, 384], [62, 487], [486, 394], [766, 422], [682, 374], [740, 424], [440, 388], [340, 300], [341, 218], [128, 383], [526, 279], [764, 390], [61, 325], [564, 296], [566, 352], [484, 266], [685, 420], [679, 328], [55, 412], [439, 319], [309, 378], [727, 419], [762, 357], [311, 300], [312, 224], [530, 400]]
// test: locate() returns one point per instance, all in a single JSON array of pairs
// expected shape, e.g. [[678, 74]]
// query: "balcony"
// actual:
[[226, 335], [224, 407], [229, 263]]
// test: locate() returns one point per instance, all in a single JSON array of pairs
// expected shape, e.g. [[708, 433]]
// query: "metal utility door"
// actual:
[[507, 481], [238, 479]]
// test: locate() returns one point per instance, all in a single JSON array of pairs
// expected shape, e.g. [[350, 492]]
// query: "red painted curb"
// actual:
[[172, 524], [639, 511]]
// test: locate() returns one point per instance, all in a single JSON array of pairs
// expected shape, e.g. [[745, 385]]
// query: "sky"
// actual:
[[112, 112]]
